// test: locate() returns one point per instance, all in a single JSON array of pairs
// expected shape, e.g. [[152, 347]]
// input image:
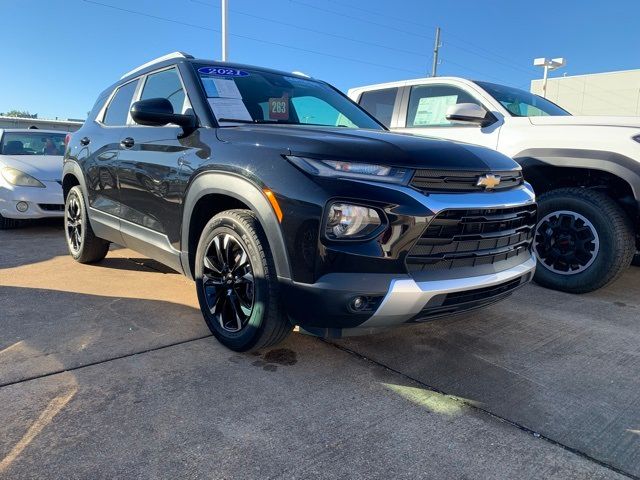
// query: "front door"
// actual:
[[424, 113]]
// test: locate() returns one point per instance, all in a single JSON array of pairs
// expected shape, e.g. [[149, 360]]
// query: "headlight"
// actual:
[[346, 221], [340, 169], [20, 179]]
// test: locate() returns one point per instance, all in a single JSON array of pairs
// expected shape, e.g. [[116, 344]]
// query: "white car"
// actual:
[[30, 175], [585, 170]]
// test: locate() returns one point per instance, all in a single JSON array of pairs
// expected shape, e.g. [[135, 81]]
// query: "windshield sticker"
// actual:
[[223, 72], [226, 88], [229, 109], [433, 110], [279, 108]]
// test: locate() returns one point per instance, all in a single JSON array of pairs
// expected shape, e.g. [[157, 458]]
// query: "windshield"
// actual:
[[521, 103], [251, 96], [32, 143]]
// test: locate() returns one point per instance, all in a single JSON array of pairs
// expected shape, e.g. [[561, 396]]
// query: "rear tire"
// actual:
[[82, 243], [583, 240], [237, 284]]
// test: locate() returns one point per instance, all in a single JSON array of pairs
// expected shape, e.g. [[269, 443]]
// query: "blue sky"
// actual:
[[59, 54]]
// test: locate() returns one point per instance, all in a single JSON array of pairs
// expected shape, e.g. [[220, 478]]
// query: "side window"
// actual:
[[314, 110], [379, 103], [428, 105], [166, 84], [118, 109]]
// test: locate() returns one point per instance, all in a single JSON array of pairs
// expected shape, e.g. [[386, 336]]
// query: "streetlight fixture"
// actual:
[[549, 64]]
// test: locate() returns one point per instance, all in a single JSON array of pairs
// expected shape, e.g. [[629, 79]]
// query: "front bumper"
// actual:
[[42, 202]]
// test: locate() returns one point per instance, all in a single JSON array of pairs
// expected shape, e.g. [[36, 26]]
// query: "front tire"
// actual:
[[82, 243], [583, 240], [237, 284]]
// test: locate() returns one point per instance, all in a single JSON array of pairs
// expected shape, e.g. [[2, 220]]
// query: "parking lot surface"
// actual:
[[108, 371]]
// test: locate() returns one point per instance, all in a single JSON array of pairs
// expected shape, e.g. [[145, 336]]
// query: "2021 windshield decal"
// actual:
[[223, 72]]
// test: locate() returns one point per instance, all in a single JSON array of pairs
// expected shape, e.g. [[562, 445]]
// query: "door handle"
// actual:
[[127, 142], [84, 141]]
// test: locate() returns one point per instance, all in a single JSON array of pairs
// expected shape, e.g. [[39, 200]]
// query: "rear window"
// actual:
[[118, 109], [379, 103], [28, 143]]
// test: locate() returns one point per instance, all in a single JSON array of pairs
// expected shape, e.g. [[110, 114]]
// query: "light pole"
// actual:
[[549, 64], [225, 18]]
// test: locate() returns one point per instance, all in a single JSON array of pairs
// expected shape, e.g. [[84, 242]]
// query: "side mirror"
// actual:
[[157, 112], [469, 113]]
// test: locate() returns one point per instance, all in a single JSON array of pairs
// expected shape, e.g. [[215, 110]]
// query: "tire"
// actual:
[[238, 292], [583, 240], [7, 223], [82, 243], [636, 260]]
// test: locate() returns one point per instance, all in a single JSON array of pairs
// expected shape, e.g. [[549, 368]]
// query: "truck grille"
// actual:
[[472, 237], [461, 181]]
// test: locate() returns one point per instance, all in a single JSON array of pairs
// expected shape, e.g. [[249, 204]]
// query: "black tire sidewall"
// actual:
[[251, 333], [607, 244]]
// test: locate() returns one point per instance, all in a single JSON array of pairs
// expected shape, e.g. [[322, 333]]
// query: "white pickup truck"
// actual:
[[584, 170]]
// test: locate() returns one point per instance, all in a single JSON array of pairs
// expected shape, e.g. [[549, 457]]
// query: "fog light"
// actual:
[[22, 207], [358, 303], [346, 221]]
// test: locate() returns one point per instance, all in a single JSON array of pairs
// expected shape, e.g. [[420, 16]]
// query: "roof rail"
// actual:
[[169, 56]]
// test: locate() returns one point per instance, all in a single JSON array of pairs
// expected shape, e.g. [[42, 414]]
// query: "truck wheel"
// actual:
[[6, 223], [82, 243], [583, 240], [237, 284]]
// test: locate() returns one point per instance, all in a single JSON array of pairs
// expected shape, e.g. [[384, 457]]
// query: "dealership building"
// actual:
[[609, 93]]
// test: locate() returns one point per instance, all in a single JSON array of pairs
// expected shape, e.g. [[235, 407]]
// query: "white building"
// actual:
[[609, 93], [19, 122]]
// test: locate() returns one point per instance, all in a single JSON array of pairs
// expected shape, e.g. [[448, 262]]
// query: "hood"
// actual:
[[42, 167], [592, 120], [372, 146]]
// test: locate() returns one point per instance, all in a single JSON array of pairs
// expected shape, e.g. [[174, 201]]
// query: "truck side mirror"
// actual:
[[470, 113], [157, 112]]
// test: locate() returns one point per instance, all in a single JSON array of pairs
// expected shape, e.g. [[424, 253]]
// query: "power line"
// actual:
[[319, 32], [246, 37]]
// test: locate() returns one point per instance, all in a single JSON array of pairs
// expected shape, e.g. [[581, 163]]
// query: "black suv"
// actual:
[[290, 205]]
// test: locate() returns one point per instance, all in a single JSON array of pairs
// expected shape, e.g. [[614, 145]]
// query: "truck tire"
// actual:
[[7, 223], [583, 240], [636, 260], [237, 284], [82, 243]]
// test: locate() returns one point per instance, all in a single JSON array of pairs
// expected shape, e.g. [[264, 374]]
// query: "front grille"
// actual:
[[461, 181], [473, 237], [51, 207]]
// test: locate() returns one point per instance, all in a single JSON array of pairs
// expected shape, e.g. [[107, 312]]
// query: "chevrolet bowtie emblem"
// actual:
[[488, 181]]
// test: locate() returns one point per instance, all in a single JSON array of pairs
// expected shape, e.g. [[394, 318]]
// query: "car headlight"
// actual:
[[20, 179], [346, 221], [359, 170]]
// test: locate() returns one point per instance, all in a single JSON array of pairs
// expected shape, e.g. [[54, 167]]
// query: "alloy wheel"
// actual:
[[566, 242], [228, 282], [73, 222]]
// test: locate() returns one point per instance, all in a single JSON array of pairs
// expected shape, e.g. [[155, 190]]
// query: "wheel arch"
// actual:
[[72, 176], [228, 191], [616, 175]]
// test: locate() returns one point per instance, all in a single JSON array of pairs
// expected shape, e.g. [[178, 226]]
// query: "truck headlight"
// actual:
[[346, 221], [359, 170], [20, 179]]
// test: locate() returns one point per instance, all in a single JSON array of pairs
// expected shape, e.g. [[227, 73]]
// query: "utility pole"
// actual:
[[225, 19], [436, 49]]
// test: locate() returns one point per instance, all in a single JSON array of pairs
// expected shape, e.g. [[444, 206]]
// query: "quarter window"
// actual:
[[379, 103], [166, 84], [428, 105], [118, 109]]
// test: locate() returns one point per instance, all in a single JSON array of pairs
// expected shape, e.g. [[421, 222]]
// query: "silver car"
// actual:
[[30, 175]]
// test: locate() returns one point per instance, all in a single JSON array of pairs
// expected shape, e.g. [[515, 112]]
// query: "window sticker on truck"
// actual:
[[223, 72]]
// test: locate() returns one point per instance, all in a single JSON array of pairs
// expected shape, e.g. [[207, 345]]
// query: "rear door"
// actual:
[[423, 112], [150, 174]]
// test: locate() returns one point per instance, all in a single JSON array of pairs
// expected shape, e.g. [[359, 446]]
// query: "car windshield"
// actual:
[[32, 143], [521, 103], [252, 96]]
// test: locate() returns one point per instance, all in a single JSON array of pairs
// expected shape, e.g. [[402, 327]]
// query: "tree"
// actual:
[[20, 114]]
